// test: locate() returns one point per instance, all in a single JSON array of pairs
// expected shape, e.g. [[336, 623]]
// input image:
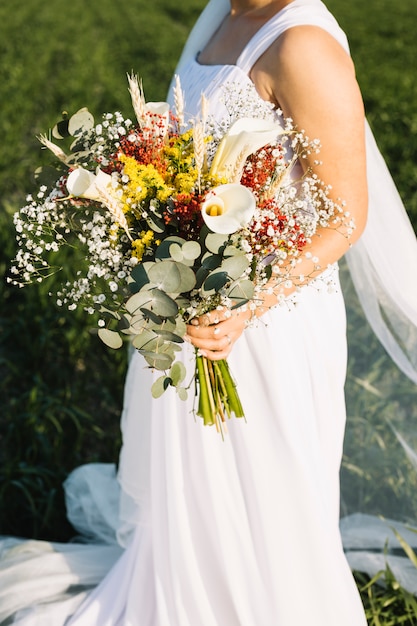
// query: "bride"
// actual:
[[245, 531]]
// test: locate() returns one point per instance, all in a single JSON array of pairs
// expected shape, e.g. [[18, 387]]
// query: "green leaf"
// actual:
[[176, 252], [168, 336], [81, 121], [177, 373], [214, 242], [143, 339], [188, 279], [79, 156], [160, 385], [111, 338], [166, 276], [156, 224], [180, 327], [158, 360], [157, 319], [241, 291], [60, 130], [182, 393], [231, 251], [162, 304], [211, 261], [201, 276], [46, 175], [215, 281], [406, 547], [191, 250], [138, 300], [136, 322], [163, 250], [140, 277], [235, 266]]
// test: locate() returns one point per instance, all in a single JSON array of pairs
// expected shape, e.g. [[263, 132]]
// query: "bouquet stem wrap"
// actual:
[[218, 397]]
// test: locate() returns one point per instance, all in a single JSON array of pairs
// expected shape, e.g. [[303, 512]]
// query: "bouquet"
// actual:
[[173, 221]]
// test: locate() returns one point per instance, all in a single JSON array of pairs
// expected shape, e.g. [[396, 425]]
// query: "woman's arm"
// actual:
[[310, 77]]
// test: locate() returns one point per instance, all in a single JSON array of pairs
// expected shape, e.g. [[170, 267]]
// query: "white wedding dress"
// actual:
[[236, 532]]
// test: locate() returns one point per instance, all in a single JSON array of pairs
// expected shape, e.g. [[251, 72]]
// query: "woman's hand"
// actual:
[[215, 333]]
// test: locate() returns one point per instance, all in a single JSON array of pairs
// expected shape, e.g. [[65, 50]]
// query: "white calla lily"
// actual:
[[244, 137], [158, 108], [82, 183], [228, 208], [160, 123]]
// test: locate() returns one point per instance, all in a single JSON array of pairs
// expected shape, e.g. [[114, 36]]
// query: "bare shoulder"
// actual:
[[309, 75], [302, 62], [309, 41]]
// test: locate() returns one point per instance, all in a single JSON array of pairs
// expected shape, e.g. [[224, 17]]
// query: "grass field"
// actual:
[[60, 389]]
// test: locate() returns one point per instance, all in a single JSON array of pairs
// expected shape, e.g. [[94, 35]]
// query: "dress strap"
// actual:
[[297, 13]]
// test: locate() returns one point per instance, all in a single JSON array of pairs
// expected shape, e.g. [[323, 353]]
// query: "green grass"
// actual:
[[60, 388]]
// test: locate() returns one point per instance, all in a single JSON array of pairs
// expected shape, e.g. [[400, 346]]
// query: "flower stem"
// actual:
[[217, 393]]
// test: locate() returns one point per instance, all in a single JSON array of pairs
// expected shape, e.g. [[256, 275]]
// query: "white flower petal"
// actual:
[[244, 137], [236, 205]]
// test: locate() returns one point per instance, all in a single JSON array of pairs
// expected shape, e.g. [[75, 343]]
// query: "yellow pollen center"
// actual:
[[214, 210]]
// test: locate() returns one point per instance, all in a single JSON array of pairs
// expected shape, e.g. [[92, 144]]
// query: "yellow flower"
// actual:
[[145, 182], [140, 245], [186, 181]]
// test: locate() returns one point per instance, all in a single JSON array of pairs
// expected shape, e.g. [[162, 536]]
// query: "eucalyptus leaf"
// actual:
[[215, 281], [111, 338], [182, 393], [138, 300], [180, 327], [112, 312], [163, 250], [242, 291], [177, 373], [172, 277], [160, 386], [137, 322], [157, 319], [143, 339], [211, 261], [191, 250], [139, 276], [201, 276], [168, 336], [125, 322], [166, 276], [81, 121], [183, 302], [187, 278], [60, 130], [153, 345], [170, 325], [159, 361], [162, 304], [156, 224], [235, 266], [176, 252], [214, 242], [231, 251]]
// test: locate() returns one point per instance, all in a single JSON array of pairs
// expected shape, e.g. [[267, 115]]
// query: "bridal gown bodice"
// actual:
[[241, 531]]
